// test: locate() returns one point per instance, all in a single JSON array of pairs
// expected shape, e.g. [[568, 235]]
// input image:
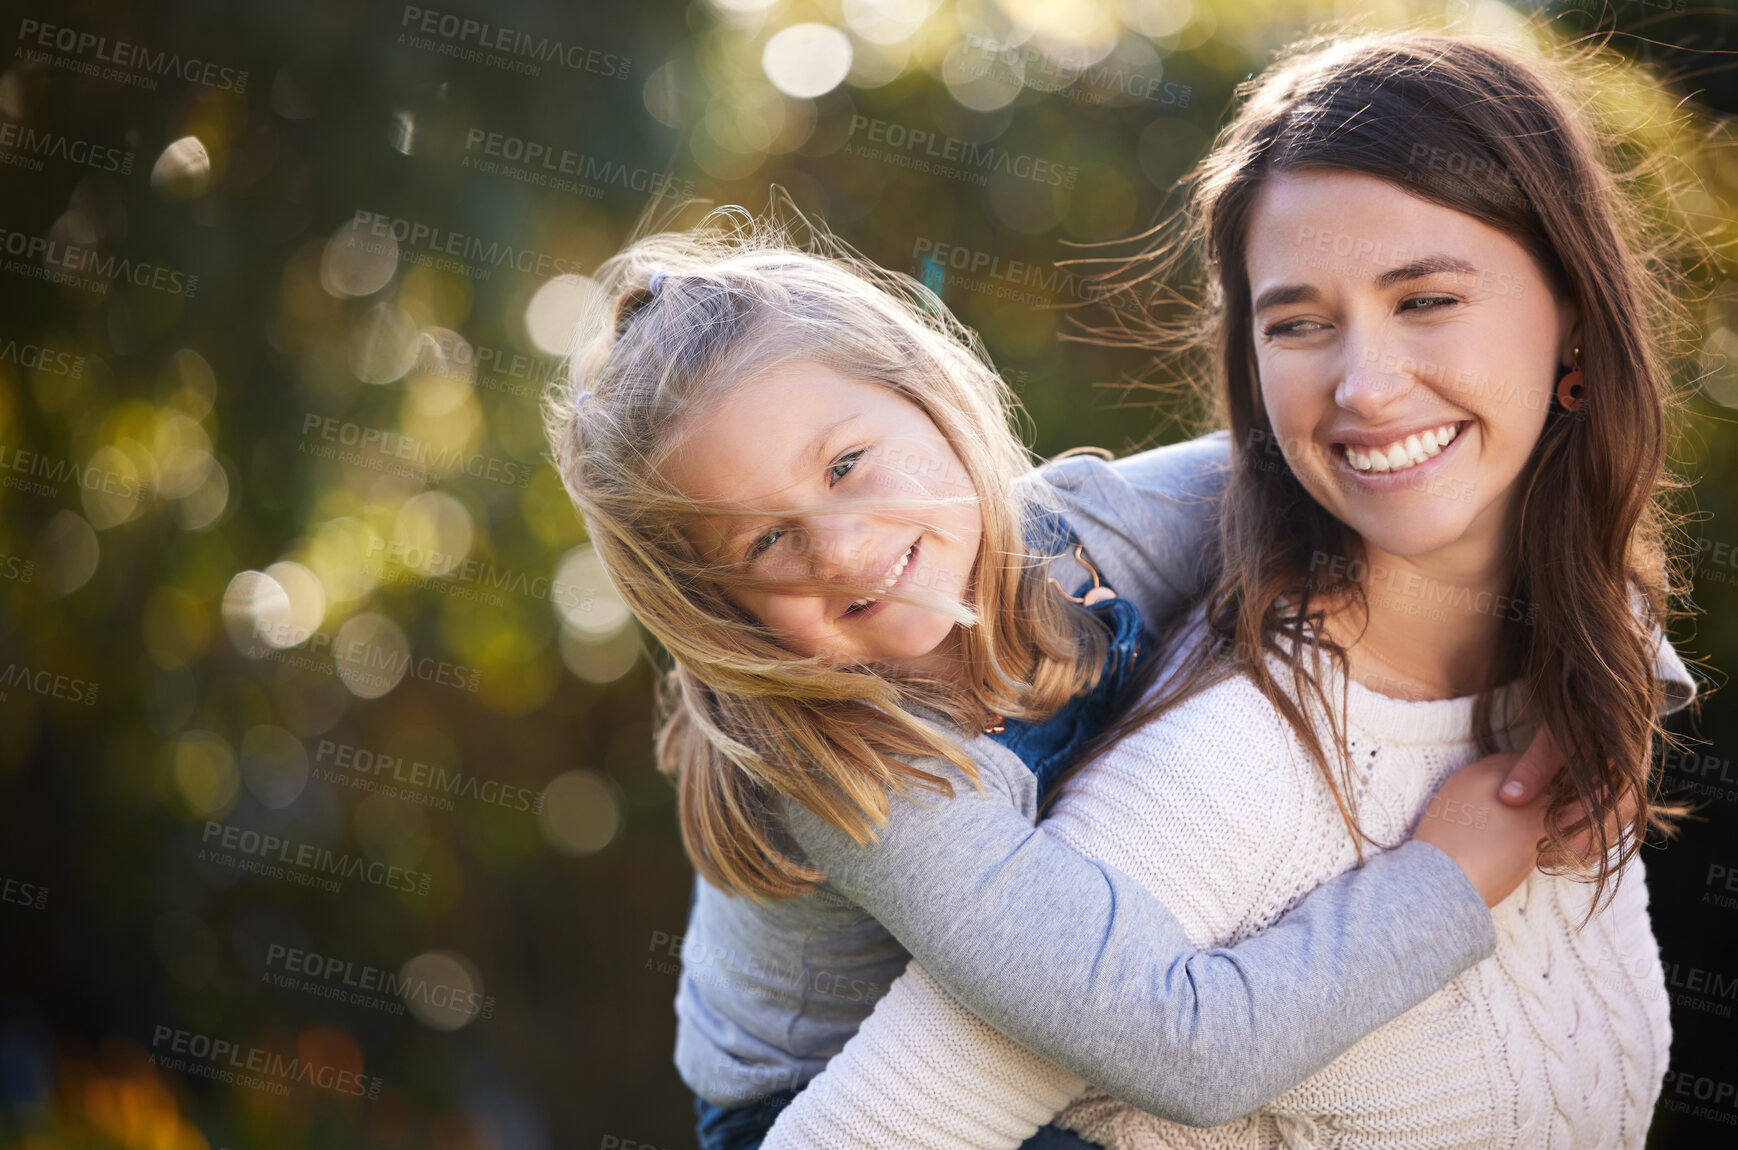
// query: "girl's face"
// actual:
[[886, 502], [1407, 355]]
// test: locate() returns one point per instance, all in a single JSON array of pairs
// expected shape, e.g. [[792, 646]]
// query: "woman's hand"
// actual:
[[1495, 842], [1530, 772], [1529, 777]]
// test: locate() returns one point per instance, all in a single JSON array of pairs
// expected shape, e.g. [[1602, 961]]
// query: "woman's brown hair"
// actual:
[[1501, 137]]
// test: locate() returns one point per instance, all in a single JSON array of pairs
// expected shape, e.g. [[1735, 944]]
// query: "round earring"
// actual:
[[1570, 387]]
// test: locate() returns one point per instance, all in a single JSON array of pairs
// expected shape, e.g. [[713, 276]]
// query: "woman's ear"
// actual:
[[1569, 322]]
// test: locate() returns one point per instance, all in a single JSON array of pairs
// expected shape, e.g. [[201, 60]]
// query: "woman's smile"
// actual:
[[1387, 460]]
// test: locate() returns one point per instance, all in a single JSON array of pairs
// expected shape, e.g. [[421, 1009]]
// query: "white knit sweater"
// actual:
[[1558, 1040]]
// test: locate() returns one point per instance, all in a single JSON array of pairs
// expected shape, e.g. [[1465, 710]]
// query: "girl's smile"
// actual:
[[865, 607]]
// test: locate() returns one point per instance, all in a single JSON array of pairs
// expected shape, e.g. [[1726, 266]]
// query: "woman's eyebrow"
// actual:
[[1284, 294], [1423, 266]]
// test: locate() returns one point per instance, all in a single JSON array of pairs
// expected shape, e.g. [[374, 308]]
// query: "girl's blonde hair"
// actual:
[[742, 718]]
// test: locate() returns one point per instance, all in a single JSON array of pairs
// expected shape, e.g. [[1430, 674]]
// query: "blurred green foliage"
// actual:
[[282, 554]]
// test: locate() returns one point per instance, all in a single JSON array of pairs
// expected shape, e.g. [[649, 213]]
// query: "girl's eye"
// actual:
[[761, 544], [1427, 303], [843, 467]]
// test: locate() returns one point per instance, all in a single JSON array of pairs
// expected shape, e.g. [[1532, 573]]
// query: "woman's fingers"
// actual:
[[1533, 771], [1582, 843]]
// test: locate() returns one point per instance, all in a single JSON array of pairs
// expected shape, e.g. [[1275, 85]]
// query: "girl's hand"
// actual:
[[1495, 842]]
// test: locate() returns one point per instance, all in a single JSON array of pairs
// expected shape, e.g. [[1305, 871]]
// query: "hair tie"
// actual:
[[657, 281], [582, 397]]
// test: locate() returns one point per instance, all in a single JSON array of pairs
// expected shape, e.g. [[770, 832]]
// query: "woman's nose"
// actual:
[[1374, 375]]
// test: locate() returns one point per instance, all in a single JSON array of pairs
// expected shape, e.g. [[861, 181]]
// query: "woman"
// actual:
[[1445, 396]]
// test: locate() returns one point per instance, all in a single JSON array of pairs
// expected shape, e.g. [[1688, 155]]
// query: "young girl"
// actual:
[[801, 475], [1450, 372]]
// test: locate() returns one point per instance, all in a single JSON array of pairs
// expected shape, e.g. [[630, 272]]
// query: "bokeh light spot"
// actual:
[[256, 614], [205, 773], [807, 60], [371, 653], [384, 344], [112, 487], [183, 170], [357, 262], [581, 812], [432, 534], [67, 550], [442, 989], [554, 312], [274, 765], [584, 596]]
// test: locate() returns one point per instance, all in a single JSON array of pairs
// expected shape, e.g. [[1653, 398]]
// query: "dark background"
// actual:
[[175, 418]]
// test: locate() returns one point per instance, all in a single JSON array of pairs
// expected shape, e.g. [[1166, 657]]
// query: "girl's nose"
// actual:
[[840, 545]]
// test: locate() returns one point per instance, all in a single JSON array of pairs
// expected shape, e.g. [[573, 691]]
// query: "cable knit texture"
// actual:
[[1558, 1040]]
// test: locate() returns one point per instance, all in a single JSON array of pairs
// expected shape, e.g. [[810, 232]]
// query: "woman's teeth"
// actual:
[[893, 575], [1402, 453]]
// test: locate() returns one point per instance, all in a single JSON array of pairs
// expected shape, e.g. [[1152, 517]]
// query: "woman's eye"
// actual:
[[1290, 327], [843, 467], [1427, 303], [764, 542]]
